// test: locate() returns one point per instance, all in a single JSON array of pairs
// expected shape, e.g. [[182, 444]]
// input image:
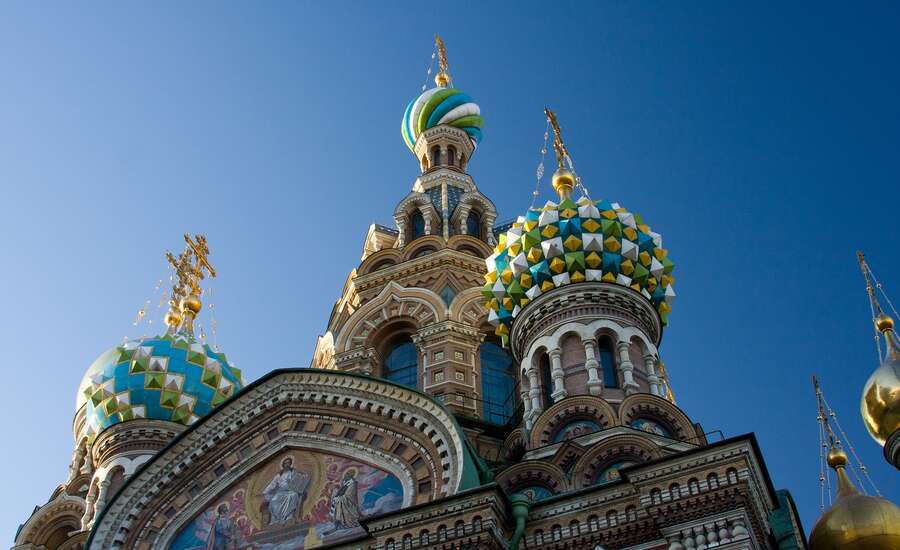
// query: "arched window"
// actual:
[[472, 225], [612, 518], [608, 363], [655, 496], [731, 475], [498, 383], [712, 480], [424, 163], [418, 225], [435, 156], [675, 491], [693, 486], [451, 156], [401, 362], [546, 380]]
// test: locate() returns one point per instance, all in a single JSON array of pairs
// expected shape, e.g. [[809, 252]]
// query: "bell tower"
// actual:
[[412, 311]]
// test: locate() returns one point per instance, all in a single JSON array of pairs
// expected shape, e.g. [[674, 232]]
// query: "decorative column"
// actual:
[[595, 379], [526, 401], [101, 497], [429, 222], [626, 367], [652, 378], [401, 229], [556, 373], [75, 466], [534, 392], [88, 516], [445, 204]]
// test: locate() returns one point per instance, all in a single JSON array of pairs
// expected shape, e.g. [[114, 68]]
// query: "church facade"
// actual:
[[478, 386]]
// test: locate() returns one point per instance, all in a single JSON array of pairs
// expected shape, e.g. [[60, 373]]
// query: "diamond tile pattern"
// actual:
[[170, 378], [571, 242]]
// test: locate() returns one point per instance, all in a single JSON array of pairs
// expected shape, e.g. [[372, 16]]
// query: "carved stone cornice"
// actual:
[[138, 436], [586, 301], [441, 259]]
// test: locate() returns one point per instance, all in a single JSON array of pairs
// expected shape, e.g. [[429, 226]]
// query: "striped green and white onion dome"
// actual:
[[441, 106]]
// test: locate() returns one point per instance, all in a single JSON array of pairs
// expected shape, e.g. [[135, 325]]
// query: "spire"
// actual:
[[442, 78], [563, 178], [191, 304]]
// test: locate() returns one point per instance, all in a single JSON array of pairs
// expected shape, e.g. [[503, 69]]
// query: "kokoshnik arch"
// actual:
[[478, 386]]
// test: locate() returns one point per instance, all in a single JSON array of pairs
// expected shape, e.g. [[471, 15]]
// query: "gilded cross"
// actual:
[[184, 272], [201, 251], [558, 145], [443, 77]]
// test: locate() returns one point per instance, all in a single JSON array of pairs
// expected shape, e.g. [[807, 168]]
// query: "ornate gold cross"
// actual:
[[201, 251], [183, 270], [442, 79], [558, 145]]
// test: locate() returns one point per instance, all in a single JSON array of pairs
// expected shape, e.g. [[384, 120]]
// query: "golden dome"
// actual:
[[191, 303], [880, 404], [855, 521]]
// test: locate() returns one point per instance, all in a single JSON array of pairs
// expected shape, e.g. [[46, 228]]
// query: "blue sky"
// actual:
[[761, 141]]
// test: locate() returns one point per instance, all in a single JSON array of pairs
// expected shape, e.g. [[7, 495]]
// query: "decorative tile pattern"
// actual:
[[572, 242], [170, 378]]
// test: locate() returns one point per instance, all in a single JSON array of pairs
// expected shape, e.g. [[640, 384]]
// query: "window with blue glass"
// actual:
[[498, 383], [608, 363], [418, 225], [546, 380], [472, 225], [401, 363]]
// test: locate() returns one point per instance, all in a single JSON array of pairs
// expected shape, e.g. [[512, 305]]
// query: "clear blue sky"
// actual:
[[761, 141]]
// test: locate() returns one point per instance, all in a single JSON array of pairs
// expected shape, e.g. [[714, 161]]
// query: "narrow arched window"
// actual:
[[435, 156], [546, 380], [712, 480], [608, 363], [472, 225], [401, 362], [498, 383], [451, 156], [424, 163], [418, 225]]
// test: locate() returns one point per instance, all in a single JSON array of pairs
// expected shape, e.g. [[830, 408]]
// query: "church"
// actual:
[[479, 385]]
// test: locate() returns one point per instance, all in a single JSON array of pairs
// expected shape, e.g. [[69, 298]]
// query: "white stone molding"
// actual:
[[556, 373], [595, 377], [626, 367]]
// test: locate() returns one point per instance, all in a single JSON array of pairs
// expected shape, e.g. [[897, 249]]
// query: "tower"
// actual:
[[880, 402], [411, 310], [132, 401]]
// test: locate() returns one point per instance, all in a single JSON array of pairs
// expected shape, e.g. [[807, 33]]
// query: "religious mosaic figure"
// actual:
[[284, 495], [223, 534], [345, 502]]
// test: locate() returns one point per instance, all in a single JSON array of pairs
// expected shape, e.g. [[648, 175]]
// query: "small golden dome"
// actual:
[[173, 318], [884, 323], [880, 403], [442, 80], [563, 182], [855, 521]]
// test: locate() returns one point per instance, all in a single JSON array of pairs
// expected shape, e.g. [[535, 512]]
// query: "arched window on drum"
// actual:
[[418, 225], [401, 362], [472, 225], [608, 362], [498, 382]]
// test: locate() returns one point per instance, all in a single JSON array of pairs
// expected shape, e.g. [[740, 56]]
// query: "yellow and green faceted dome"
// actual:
[[572, 242], [171, 377]]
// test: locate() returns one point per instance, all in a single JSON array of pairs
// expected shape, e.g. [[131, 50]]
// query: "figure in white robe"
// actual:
[[285, 493], [345, 503]]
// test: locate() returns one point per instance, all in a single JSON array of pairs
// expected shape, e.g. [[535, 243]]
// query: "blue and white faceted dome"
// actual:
[[171, 377], [441, 106]]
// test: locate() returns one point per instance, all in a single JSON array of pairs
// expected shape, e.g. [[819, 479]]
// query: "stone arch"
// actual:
[[468, 307], [415, 201], [645, 405], [609, 451], [402, 431], [578, 407], [470, 245], [433, 243], [379, 260], [514, 444], [533, 472], [51, 524], [419, 305], [474, 201]]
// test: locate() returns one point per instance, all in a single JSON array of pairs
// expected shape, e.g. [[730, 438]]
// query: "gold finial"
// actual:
[[563, 178], [191, 304], [182, 267], [442, 78]]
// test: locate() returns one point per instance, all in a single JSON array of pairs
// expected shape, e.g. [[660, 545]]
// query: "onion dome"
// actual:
[[880, 403], [170, 377], [572, 242], [441, 105], [855, 521]]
